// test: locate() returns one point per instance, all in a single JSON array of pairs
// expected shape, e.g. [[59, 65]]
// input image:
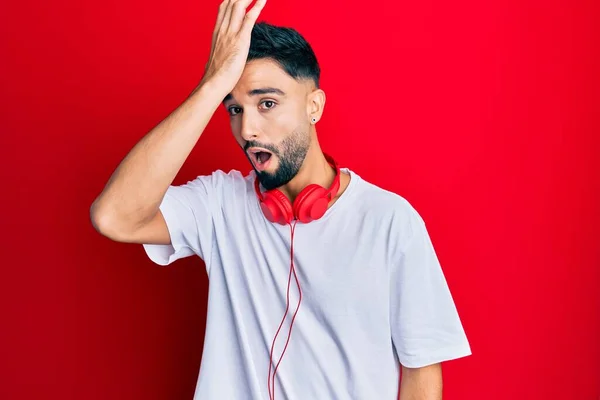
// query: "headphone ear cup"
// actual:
[[311, 203], [276, 207]]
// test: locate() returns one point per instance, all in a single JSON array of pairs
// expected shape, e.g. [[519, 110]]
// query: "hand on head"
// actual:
[[231, 41]]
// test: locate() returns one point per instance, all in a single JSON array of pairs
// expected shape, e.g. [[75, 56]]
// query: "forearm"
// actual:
[[421, 383], [135, 189]]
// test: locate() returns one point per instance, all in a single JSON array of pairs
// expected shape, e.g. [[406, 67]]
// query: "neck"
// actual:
[[315, 169]]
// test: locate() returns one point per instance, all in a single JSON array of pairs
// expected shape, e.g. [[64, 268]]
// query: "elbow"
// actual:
[[103, 220], [114, 223]]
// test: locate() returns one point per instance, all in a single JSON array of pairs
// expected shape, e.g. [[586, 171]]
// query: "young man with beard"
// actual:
[[368, 297]]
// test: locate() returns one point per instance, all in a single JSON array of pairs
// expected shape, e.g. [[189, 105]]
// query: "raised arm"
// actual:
[[127, 210]]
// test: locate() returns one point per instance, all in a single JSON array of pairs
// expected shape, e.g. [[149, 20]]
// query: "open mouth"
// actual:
[[260, 157]]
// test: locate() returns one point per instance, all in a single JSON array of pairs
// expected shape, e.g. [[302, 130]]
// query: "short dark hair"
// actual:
[[286, 47]]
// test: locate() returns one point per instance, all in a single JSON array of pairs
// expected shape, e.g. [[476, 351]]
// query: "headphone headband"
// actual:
[[331, 191], [310, 204]]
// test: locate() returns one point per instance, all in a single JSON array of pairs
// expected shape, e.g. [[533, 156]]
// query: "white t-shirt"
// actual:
[[372, 292]]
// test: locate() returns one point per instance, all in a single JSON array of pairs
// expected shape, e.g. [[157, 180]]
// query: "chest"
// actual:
[[340, 272], [343, 276]]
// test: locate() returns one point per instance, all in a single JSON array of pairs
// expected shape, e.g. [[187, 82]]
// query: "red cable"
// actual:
[[292, 269]]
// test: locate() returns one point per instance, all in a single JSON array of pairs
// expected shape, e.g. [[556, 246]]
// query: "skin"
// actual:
[[127, 209], [423, 383]]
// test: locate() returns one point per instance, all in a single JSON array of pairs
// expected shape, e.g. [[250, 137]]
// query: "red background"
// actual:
[[483, 114]]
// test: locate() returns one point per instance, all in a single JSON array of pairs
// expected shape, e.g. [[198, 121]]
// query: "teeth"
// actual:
[[261, 156]]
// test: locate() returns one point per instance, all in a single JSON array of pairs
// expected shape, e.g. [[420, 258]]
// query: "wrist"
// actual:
[[212, 91], [214, 84]]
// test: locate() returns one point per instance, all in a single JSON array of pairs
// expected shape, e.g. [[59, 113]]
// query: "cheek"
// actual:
[[236, 130], [283, 124], [239, 141]]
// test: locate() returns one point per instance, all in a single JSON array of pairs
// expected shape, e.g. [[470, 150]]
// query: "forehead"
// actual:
[[263, 73]]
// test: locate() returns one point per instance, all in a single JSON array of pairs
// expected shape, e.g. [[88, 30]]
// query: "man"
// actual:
[[368, 295]]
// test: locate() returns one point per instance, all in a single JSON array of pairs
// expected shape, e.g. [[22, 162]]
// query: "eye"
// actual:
[[268, 104], [233, 110]]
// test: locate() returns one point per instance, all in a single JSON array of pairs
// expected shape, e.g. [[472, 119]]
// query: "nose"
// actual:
[[249, 129]]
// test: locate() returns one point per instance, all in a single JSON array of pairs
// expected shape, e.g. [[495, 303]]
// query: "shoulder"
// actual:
[[386, 203], [219, 180], [390, 210], [214, 188], [222, 177]]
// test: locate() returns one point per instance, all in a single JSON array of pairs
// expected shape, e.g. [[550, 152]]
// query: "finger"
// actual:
[[220, 15], [251, 17], [237, 15], [227, 15]]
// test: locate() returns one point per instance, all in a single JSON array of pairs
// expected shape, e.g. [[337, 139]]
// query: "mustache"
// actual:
[[253, 143]]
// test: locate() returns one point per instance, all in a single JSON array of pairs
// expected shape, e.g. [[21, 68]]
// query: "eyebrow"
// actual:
[[259, 91]]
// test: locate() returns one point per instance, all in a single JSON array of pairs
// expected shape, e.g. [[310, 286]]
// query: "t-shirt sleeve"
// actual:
[[188, 210], [426, 327]]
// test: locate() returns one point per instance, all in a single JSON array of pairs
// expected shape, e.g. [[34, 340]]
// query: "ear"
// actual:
[[315, 105]]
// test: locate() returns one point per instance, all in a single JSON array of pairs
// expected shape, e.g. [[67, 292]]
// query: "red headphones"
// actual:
[[310, 204]]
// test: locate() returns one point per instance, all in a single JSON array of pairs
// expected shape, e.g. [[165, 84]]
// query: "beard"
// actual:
[[290, 153]]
